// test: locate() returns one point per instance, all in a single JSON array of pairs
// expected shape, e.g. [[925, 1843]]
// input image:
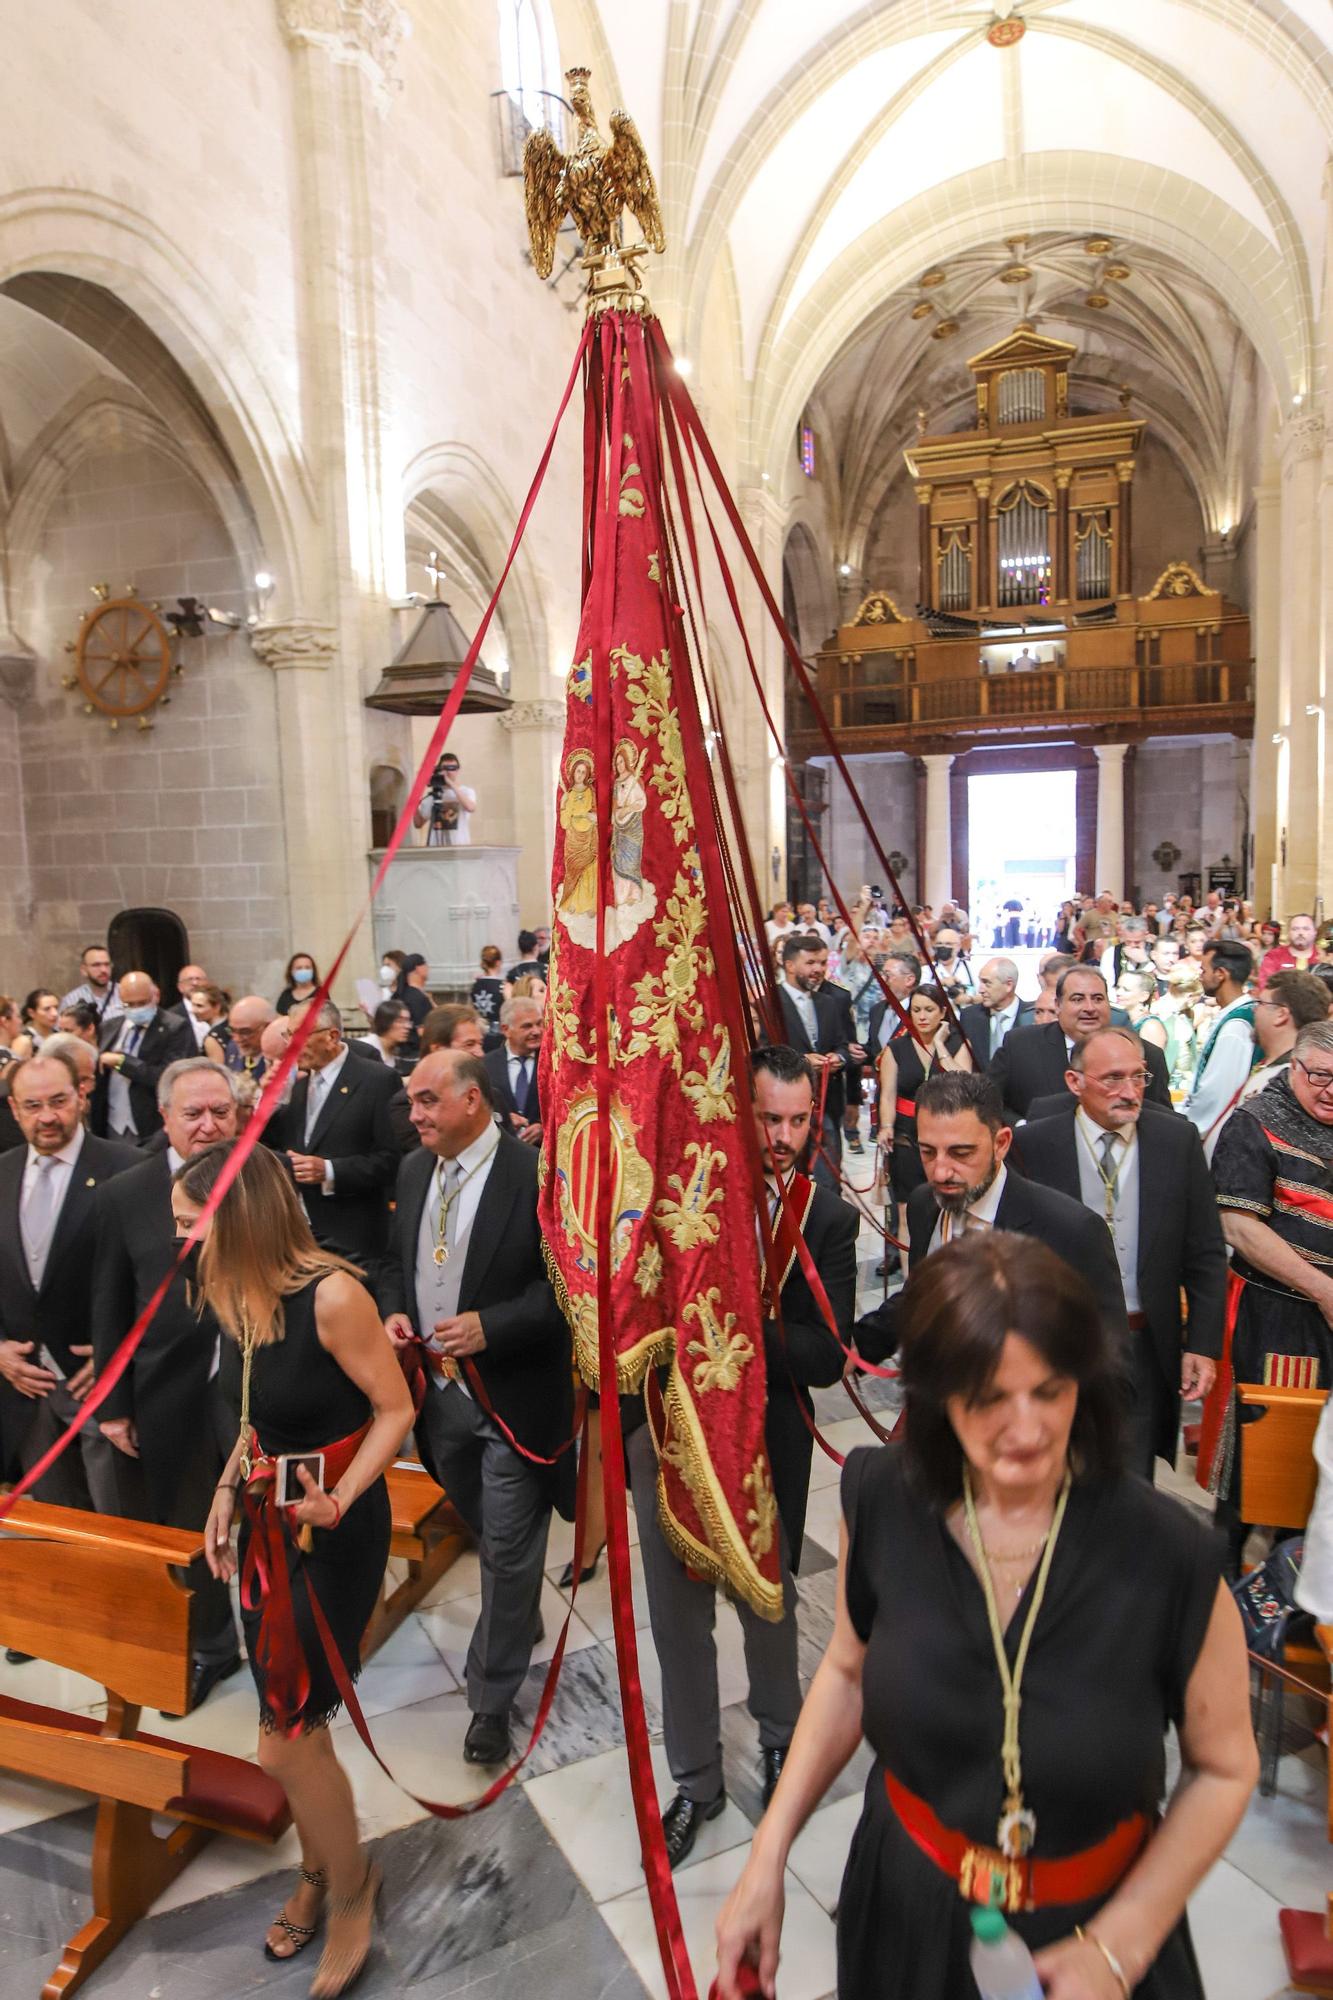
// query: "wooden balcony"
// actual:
[[1121, 703]]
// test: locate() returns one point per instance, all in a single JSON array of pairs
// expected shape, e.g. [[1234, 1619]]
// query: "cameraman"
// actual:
[[447, 810]]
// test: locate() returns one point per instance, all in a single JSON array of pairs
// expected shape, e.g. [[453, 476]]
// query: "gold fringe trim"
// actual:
[[726, 1558]]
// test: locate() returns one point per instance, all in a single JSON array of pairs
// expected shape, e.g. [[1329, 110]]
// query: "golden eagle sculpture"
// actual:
[[593, 185]]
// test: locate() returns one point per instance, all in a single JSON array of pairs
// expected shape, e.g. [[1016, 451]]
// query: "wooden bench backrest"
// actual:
[[1277, 1468], [97, 1595]]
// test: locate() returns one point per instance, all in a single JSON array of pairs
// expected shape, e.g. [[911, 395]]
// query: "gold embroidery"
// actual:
[[763, 1516], [724, 1353], [648, 1270], [709, 1089], [668, 1000], [687, 1216], [578, 1179], [653, 713], [631, 497]]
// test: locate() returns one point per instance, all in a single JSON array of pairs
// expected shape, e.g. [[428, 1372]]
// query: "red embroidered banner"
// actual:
[[641, 912]]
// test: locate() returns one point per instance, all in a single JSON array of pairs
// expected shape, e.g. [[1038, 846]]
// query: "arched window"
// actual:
[[529, 66]]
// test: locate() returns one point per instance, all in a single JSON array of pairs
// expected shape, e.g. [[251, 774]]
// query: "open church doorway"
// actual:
[[1022, 844]]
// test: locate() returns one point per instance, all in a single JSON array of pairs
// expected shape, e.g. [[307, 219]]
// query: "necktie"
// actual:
[[314, 1098], [133, 1039], [39, 1217], [451, 1278], [996, 1033], [521, 1087], [1110, 1172]]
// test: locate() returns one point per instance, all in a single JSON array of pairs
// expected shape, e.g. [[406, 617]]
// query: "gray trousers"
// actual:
[[683, 1610], [86, 1475], [507, 1504]]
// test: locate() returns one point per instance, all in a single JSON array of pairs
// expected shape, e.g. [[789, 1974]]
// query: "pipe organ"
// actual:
[[1031, 508]]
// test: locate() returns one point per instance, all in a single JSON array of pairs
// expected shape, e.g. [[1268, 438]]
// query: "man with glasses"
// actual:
[[1273, 1171], [1229, 1054], [1142, 1170]]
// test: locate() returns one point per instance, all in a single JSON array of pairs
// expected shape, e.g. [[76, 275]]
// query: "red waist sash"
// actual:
[[266, 1586], [905, 1107], [984, 1874]]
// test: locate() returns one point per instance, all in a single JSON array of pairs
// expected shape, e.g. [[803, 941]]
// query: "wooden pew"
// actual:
[[104, 1597], [427, 1535], [1277, 1489]]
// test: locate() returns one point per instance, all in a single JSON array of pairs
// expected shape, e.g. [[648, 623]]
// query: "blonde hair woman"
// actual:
[[308, 1367]]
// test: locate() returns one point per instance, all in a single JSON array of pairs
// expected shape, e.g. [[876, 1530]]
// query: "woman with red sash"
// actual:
[[309, 1369], [904, 1065], [1019, 1622]]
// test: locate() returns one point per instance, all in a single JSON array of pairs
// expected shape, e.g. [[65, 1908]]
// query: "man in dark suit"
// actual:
[[850, 1078], [48, 1189], [165, 1415], [337, 1130], [134, 1048], [902, 975], [512, 1069], [816, 1026], [800, 1355], [964, 1143], [1142, 1172], [997, 1011], [1032, 1063], [467, 1279]]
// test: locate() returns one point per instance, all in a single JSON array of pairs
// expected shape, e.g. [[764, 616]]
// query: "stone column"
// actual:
[[936, 872], [1110, 866], [764, 788], [536, 731], [330, 649], [1299, 674], [1265, 640]]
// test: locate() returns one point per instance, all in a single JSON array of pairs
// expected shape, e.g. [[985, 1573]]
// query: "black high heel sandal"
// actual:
[[300, 1934], [586, 1574]]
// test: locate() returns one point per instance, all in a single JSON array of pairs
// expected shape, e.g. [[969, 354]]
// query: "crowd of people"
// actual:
[[1157, 1122]]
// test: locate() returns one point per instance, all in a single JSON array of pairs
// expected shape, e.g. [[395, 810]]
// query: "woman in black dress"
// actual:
[[308, 1367], [904, 1065], [1003, 1511], [298, 982], [411, 991]]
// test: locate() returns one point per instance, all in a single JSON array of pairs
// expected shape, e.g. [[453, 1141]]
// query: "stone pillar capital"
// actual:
[[295, 642], [1302, 438], [938, 761], [1110, 753], [533, 715], [365, 33]]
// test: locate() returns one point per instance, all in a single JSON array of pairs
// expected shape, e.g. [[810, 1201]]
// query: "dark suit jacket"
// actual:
[[803, 1355], [166, 1039], [497, 1068], [1181, 1247], [1025, 1208], [975, 1021], [525, 1366], [833, 1023], [1032, 1064], [58, 1313], [165, 1387], [356, 1132]]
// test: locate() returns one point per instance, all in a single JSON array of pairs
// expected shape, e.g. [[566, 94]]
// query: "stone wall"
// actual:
[[887, 785], [185, 815], [1190, 791]]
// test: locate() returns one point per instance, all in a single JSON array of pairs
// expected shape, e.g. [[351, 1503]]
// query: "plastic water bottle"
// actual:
[[1001, 1962]]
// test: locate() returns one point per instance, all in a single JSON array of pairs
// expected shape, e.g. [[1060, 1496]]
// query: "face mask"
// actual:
[[303, 976], [388, 975], [141, 1016]]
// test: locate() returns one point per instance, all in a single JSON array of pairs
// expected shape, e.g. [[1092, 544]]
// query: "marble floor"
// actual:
[[545, 1885]]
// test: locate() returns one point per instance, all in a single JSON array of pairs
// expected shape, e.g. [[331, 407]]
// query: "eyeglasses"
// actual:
[[1320, 1079], [1118, 1078]]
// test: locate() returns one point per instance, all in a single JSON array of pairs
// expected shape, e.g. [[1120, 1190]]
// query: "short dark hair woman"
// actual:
[[1019, 1621], [309, 1368]]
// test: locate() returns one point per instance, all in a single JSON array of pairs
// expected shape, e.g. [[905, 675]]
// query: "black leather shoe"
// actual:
[[855, 1143], [681, 1822], [487, 1740], [586, 1574], [13, 1658], [205, 1678], [772, 1762], [891, 1263]]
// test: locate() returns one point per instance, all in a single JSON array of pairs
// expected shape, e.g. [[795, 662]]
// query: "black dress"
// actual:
[[905, 1170], [300, 1400], [1131, 1590]]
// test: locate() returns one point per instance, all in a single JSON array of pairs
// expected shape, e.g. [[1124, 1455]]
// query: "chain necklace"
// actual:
[[1017, 1830], [1110, 1181], [249, 1342], [441, 1250]]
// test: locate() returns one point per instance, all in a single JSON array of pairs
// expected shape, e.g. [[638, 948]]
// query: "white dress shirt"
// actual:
[[438, 1284], [61, 1172], [318, 1091], [1124, 1165], [1001, 1022], [981, 1215], [119, 1113], [804, 1004]]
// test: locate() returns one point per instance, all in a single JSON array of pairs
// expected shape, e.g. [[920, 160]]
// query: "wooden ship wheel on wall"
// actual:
[[122, 657]]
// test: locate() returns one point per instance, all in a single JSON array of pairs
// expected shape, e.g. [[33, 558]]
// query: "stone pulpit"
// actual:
[[446, 903]]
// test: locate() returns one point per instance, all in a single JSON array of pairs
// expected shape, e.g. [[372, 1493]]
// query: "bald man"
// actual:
[[243, 1053], [189, 980], [133, 1051]]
